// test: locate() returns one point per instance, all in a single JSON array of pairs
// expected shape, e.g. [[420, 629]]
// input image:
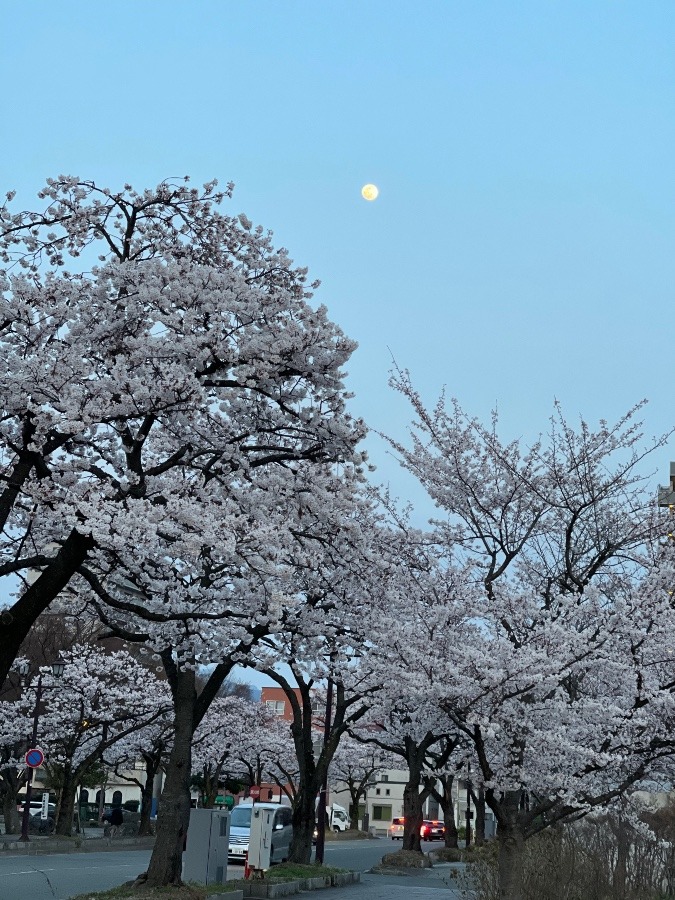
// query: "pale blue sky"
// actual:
[[522, 245]]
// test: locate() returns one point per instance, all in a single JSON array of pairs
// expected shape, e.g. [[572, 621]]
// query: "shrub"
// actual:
[[603, 858]]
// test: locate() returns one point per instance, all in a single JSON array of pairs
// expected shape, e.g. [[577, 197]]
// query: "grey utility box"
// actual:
[[260, 841], [208, 838]]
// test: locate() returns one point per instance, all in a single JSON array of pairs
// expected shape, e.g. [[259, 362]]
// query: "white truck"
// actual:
[[338, 817]]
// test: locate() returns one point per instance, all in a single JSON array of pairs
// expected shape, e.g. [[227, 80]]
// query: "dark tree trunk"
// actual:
[[444, 800], [412, 799], [210, 788], [620, 874], [303, 821], [354, 813], [479, 804], [151, 768], [174, 811], [9, 804], [66, 807], [511, 843], [451, 833], [511, 846]]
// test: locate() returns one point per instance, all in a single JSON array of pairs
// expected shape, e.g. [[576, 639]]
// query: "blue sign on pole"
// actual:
[[34, 758]]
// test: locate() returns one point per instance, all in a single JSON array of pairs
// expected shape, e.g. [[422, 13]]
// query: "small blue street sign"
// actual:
[[34, 758]]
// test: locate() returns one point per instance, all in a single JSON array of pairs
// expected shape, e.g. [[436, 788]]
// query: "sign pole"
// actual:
[[25, 820]]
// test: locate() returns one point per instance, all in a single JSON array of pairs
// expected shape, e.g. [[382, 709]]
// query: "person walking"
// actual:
[[116, 821]]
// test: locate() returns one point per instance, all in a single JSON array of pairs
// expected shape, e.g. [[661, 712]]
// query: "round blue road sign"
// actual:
[[34, 758]]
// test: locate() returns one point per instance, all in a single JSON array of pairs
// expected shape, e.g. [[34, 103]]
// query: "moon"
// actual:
[[369, 192]]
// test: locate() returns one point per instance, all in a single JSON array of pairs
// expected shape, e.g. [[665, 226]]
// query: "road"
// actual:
[[61, 876]]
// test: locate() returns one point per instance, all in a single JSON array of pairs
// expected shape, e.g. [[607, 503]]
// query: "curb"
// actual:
[[261, 890], [339, 879], [86, 845], [402, 872], [282, 889]]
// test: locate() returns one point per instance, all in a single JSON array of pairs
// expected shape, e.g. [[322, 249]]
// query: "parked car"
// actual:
[[432, 830], [395, 830], [240, 831], [36, 808], [38, 825]]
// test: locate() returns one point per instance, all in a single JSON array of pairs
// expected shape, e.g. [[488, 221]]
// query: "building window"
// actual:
[[381, 813], [387, 792], [276, 707], [117, 798], [384, 777], [377, 792]]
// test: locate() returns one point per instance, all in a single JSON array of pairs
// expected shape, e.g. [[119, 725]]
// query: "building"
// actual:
[[277, 703], [384, 802]]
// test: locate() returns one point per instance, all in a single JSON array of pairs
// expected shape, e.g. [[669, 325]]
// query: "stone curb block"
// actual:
[[262, 890], [341, 878], [287, 888], [231, 895], [90, 845], [316, 883]]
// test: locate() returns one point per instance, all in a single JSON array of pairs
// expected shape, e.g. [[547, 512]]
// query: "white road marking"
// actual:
[[68, 869]]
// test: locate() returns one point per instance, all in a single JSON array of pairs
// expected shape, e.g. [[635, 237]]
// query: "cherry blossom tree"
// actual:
[[340, 570], [405, 719], [16, 718], [145, 397], [100, 698], [51, 634], [240, 739], [559, 676], [189, 353], [313, 754], [265, 753], [355, 766], [217, 739], [411, 727], [446, 761], [151, 745]]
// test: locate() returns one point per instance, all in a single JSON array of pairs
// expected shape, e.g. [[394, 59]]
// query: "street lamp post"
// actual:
[[25, 819], [57, 670], [101, 793], [366, 817]]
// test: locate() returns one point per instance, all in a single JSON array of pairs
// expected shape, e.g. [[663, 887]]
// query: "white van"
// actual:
[[240, 831], [36, 808]]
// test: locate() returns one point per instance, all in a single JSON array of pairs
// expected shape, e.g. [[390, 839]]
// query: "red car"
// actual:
[[432, 830]]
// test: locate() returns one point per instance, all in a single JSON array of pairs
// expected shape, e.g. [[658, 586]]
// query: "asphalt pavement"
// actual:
[[435, 884], [59, 876]]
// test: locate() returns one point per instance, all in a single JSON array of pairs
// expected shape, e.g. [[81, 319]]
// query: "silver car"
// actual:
[[240, 831]]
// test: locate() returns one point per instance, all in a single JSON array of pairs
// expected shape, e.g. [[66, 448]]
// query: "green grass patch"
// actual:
[[289, 871], [282, 872]]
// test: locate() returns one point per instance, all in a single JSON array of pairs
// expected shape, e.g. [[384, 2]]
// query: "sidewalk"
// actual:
[[88, 840], [437, 883]]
